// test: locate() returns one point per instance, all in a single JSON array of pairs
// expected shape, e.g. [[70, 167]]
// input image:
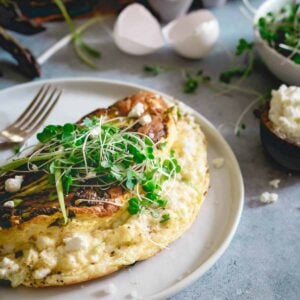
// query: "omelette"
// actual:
[[98, 195]]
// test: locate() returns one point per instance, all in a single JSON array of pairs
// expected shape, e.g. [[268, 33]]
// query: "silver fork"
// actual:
[[32, 118]]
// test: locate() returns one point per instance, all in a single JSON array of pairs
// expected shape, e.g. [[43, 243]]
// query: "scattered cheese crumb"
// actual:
[[218, 163], [10, 204], [76, 242], [13, 185], [137, 111], [41, 273], [6, 262], [267, 197], [146, 119], [94, 133], [34, 167], [110, 289], [8, 266], [90, 175], [31, 256], [274, 183], [44, 242], [3, 273]]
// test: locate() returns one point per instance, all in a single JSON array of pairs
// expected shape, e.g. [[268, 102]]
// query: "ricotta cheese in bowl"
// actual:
[[280, 127], [284, 112]]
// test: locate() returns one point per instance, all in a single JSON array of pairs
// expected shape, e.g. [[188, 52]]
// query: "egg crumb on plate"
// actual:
[[218, 162], [275, 183], [267, 197]]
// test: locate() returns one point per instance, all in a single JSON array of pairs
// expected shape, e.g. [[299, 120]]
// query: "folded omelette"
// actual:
[[92, 197]]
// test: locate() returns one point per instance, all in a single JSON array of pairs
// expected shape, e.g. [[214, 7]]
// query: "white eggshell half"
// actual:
[[194, 35], [137, 32]]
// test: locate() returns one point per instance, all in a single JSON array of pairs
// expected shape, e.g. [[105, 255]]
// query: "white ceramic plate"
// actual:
[[186, 259]]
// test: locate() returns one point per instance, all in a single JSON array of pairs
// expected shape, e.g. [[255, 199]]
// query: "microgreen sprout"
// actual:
[[192, 81], [242, 127], [155, 70], [101, 153], [243, 48], [281, 30], [84, 51]]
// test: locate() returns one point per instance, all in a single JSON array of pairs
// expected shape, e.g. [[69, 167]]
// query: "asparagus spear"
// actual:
[[26, 61]]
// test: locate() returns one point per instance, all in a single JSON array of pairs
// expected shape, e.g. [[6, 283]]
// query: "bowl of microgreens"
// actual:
[[277, 29]]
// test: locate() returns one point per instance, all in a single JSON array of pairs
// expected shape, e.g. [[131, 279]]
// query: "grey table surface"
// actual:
[[263, 260]]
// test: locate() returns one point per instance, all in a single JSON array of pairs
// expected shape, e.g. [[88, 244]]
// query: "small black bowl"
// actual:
[[285, 153]]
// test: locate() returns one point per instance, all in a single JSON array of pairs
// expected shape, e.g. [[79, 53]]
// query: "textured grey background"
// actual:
[[263, 260]]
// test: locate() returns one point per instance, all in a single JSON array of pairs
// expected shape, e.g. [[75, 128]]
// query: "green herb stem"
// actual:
[[82, 49], [60, 192], [22, 161]]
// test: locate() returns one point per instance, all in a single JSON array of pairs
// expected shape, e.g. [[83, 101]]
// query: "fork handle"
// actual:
[[5, 143]]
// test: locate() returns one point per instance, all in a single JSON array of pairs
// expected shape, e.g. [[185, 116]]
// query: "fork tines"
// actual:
[[39, 108]]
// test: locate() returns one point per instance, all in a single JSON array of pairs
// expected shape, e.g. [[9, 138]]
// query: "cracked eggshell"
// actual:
[[137, 32], [194, 35]]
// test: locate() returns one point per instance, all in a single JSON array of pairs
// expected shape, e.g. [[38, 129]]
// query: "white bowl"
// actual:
[[283, 68]]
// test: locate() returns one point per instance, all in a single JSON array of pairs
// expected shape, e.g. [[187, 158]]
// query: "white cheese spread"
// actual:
[[284, 112]]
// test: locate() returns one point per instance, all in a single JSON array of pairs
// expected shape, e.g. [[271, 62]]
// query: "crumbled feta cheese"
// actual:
[[3, 273], [41, 273], [137, 111], [90, 175], [49, 258], [110, 289], [34, 167], [274, 183], [94, 133], [9, 266], [10, 204], [31, 256], [146, 119], [14, 268], [218, 163], [13, 185], [44, 242], [285, 112], [267, 197], [6, 262], [78, 241]]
